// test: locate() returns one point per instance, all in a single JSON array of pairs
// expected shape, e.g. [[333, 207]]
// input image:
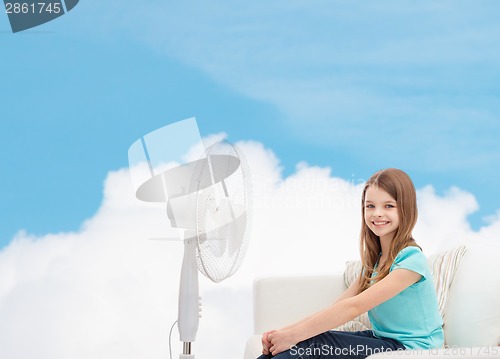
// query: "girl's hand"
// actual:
[[281, 340], [266, 344]]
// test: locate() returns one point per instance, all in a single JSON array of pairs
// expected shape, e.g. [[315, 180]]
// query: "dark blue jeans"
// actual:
[[339, 345]]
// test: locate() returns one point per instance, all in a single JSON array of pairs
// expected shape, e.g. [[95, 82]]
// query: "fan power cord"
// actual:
[[170, 339]]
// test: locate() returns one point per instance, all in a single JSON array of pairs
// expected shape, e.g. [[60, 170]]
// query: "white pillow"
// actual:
[[352, 270], [444, 266], [473, 309]]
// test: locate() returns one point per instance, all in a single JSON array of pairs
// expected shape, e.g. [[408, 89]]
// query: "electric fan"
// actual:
[[208, 198]]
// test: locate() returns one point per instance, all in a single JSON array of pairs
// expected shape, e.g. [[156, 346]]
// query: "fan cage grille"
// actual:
[[223, 213]]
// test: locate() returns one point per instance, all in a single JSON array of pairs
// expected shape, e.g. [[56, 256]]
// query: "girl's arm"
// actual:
[[345, 309], [348, 293], [351, 291]]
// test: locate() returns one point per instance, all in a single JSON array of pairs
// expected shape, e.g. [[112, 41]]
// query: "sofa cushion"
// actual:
[[352, 270], [443, 267], [473, 308]]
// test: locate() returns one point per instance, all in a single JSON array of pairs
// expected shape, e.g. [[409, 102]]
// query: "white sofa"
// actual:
[[472, 311]]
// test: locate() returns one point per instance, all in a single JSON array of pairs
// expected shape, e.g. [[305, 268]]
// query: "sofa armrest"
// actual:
[[279, 301], [253, 347]]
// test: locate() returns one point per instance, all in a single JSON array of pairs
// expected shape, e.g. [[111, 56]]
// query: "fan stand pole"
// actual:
[[189, 296], [186, 351]]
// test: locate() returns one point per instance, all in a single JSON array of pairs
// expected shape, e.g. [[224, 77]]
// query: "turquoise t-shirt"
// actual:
[[412, 316]]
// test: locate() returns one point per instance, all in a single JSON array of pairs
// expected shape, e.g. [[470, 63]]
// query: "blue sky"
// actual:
[[355, 86]]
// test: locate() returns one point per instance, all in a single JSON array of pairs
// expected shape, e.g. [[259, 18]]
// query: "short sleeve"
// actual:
[[413, 259]]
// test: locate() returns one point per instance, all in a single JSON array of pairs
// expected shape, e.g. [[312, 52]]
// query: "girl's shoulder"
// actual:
[[409, 254], [410, 250]]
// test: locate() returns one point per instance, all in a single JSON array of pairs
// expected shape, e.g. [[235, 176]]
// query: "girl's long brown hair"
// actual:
[[400, 186]]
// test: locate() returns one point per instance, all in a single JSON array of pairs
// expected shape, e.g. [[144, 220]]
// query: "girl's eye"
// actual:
[[370, 206], [390, 206]]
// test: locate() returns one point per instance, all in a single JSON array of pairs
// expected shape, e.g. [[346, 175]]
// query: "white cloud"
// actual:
[[443, 220], [107, 291]]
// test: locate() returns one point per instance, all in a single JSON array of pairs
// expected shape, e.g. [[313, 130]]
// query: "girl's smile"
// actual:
[[381, 213]]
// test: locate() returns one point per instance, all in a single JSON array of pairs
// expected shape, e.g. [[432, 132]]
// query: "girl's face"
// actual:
[[381, 213]]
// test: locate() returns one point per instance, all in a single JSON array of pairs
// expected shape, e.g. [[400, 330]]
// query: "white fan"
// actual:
[[209, 199]]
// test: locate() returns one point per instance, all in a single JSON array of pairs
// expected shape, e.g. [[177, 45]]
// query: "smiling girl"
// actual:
[[395, 287]]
